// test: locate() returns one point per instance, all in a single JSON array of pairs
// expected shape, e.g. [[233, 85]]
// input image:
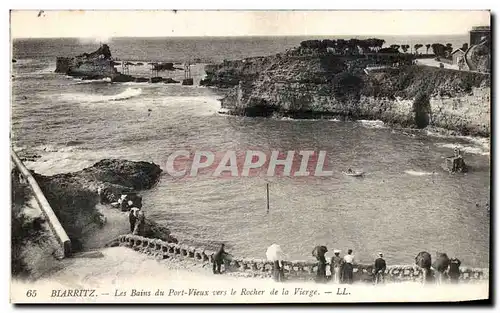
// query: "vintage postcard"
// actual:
[[250, 156]]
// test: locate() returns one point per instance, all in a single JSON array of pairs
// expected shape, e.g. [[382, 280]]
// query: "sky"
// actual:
[[107, 24]]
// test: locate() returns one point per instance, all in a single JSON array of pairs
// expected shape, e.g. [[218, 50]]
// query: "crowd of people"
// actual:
[[131, 203], [342, 267]]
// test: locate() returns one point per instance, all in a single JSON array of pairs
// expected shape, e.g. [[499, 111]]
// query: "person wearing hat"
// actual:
[[379, 268], [132, 218], [140, 221], [454, 270], [336, 266]]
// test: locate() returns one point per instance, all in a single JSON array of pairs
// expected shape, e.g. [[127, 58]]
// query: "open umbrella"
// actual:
[[274, 253], [319, 250]]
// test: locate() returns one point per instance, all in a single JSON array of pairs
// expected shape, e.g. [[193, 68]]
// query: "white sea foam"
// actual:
[[372, 124], [223, 111], [50, 69], [92, 98], [419, 173], [465, 148], [93, 81], [55, 148]]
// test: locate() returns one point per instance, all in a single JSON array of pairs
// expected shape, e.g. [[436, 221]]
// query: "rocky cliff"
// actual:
[[96, 65], [304, 86], [73, 196]]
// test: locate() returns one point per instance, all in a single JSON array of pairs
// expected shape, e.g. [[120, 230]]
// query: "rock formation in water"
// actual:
[[301, 85], [96, 65], [167, 66], [73, 196]]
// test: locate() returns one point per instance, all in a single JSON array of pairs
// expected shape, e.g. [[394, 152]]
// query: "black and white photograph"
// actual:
[[244, 156]]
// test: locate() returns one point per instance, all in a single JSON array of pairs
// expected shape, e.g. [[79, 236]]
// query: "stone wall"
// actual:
[[297, 270]]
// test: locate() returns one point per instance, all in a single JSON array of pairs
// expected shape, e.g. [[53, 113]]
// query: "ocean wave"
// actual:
[[372, 123], [480, 141], [135, 83], [93, 81], [419, 173], [91, 98], [51, 69], [465, 148], [57, 148], [22, 61]]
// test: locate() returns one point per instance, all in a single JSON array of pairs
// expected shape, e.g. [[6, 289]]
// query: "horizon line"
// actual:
[[242, 36]]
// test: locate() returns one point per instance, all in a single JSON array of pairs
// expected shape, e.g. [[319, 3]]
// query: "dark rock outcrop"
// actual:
[[165, 67], [73, 196], [169, 80], [141, 80], [95, 65], [156, 79]]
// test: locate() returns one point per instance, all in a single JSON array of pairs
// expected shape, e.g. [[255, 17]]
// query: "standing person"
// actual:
[[100, 193], [132, 218], [278, 272], [218, 259], [336, 266], [348, 267], [379, 269], [139, 223], [319, 253], [123, 203], [321, 272], [454, 270]]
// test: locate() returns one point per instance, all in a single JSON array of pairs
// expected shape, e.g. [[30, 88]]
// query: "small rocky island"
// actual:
[[100, 65]]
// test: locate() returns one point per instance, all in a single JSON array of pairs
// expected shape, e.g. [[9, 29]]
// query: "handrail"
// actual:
[[45, 207], [301, 269]]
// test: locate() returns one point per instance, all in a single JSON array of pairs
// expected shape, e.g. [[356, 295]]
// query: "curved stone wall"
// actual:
[[301, 270]]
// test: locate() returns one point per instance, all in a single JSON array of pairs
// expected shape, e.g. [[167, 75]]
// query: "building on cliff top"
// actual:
[[458, 58]]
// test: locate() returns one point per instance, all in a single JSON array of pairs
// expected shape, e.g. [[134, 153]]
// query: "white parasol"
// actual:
[[274, 253]]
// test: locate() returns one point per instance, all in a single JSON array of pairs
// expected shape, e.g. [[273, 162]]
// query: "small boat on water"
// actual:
[[353, 173]]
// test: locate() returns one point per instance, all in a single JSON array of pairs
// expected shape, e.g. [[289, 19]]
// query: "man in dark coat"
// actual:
[[278, 272], [219, 257], [100, 193], [319, 253], [379, 268], [132, 218], [454, 270]]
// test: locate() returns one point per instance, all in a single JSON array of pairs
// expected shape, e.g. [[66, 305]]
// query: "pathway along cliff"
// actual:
[[308, 84]]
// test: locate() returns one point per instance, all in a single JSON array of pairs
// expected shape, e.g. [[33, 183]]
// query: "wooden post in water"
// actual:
[[267, 189]]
